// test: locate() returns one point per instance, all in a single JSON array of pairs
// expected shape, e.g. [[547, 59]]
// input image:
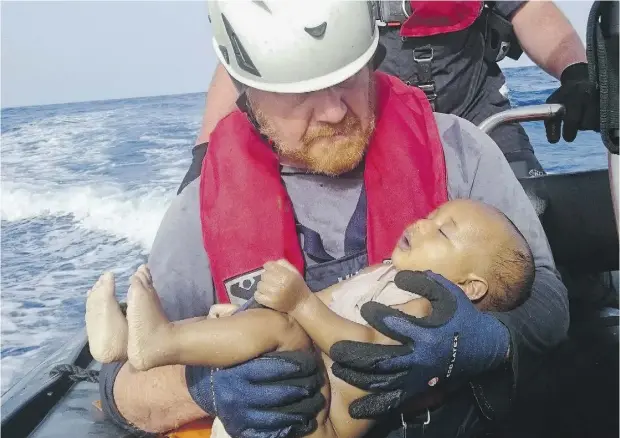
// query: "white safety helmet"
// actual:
[[290, 46]]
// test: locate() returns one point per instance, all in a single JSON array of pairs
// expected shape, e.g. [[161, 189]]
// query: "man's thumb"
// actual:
[[434, 288]]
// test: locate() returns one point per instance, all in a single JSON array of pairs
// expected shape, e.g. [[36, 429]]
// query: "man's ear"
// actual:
[[475, 287]]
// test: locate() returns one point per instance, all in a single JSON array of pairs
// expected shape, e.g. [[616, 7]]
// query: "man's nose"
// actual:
[[329, 106]]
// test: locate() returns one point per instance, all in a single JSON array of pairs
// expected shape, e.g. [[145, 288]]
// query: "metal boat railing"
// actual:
[[528, 113]]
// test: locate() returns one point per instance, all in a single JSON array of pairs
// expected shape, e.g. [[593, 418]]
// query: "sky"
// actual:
[[56, 52]]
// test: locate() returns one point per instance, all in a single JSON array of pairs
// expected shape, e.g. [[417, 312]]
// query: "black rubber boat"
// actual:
[[575, 396]]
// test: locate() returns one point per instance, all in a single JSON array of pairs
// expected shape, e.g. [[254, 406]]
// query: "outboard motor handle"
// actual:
[[528, 113]]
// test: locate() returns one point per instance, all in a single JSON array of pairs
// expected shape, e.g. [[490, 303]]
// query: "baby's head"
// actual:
[[475, 246]]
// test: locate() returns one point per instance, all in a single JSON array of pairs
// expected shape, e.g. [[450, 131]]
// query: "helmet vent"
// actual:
[[224, 53], [243, 59], [317, 31], [262, 5]]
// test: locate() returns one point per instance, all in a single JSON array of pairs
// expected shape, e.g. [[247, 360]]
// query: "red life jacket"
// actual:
[[435, 17], [247, 217]]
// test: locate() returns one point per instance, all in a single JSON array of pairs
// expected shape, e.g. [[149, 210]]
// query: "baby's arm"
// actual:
[[282, 288]]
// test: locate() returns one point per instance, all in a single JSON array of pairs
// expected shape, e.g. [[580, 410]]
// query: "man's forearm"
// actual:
[[152, 401], [221, 101], [547, 37]]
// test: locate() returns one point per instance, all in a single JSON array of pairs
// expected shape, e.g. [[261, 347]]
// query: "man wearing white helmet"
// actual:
[[323, 164]]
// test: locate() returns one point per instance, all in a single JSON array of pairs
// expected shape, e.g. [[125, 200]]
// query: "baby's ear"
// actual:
[[475, 287]]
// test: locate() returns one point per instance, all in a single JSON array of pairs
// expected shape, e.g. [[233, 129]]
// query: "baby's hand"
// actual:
[[281, 287], [221, 310]]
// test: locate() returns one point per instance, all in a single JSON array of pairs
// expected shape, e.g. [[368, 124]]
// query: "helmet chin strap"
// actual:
[[378, 57], [244, 107]]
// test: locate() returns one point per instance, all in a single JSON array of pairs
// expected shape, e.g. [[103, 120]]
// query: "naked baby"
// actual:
[[471, 244]]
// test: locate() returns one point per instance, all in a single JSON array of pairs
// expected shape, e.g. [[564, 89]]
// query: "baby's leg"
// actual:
[[105, 324], [217, 342], [150, 333]]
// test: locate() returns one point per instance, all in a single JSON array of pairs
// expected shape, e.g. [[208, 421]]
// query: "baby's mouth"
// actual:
[[404, 242]]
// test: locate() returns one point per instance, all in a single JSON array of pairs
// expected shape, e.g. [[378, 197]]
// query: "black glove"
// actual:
[[457, 341], [580, 98]]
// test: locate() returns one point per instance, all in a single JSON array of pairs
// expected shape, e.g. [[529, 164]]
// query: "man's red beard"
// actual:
[[329, 149]]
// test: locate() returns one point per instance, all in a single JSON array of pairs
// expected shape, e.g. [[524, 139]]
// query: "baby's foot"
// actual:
[[149, 331], [105, 324]]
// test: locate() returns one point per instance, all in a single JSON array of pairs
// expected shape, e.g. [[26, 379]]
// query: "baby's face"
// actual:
[[454, 240]]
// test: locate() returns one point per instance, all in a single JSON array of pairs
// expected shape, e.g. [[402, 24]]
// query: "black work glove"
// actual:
[[580, 98], [457, 341]]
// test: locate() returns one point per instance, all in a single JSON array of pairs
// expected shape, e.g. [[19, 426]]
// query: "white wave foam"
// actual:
[[83, 190], [167, 142], [44, 147], [131, 215]]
